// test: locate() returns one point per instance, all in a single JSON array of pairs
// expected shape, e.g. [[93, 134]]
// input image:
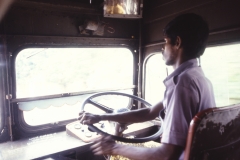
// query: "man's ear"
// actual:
[[178, 42]]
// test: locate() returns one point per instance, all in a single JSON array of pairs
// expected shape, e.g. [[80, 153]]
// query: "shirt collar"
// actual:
[[188, 64]]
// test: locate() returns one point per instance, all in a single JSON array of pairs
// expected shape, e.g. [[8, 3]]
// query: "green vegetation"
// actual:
[[46, 71]]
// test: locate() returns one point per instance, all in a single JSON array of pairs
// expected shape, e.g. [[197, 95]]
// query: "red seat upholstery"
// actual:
[[214, 134]]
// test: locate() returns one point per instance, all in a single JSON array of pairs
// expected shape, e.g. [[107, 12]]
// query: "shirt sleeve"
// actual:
[[180, 110]]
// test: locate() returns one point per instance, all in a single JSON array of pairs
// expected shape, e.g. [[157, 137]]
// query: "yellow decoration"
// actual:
[[150, 144]]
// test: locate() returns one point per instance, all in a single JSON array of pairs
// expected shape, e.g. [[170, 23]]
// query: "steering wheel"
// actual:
[[110, 110]]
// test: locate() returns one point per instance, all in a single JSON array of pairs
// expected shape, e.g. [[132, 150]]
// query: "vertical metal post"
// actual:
[[6, 109], [140, 57], [7, 89], [3, 113]]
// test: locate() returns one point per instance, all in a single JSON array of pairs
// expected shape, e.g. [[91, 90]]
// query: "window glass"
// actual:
[[221, 65], [156, 72], [49, 71]]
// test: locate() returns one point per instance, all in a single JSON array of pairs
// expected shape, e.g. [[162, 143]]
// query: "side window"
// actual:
[[47, 72], [221, 65], [156, 72]]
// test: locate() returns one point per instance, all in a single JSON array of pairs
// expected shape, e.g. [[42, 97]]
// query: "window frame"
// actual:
[[19, 122]]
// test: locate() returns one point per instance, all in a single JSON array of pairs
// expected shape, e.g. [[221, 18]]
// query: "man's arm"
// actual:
[[106, 145], [133, 116]]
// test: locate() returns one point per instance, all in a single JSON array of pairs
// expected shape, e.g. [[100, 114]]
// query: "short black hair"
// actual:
[[193, 31]]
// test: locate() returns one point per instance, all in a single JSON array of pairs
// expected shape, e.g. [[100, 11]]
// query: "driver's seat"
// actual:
[[214, 134]]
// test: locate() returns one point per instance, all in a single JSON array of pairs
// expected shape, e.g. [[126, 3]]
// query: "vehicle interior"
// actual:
[[58, 57]]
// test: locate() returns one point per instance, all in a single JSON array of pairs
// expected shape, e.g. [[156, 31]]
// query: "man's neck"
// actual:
[[179, 62]]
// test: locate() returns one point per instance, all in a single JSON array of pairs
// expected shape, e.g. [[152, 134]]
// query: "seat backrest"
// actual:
[[214, 134]]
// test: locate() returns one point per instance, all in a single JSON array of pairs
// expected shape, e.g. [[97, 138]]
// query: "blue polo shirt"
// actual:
[[187, 92]]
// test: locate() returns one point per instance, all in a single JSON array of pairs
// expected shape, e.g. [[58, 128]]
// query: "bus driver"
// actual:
[[187, 92]]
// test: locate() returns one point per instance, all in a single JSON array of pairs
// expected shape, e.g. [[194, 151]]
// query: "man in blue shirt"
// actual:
[[188, 92]]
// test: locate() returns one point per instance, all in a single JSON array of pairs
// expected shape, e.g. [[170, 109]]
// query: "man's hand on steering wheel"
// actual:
[[88, 118]]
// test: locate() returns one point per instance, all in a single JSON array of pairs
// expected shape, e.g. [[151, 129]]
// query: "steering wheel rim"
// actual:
[[109, 110]]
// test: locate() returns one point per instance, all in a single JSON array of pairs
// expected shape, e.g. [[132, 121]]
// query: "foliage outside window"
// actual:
[[49, 71], [221, 65]]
